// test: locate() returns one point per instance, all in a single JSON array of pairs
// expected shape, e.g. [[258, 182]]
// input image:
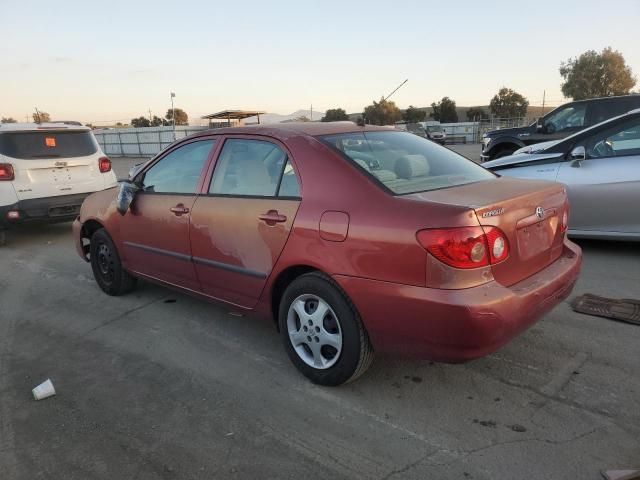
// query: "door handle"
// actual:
[[179, 209], [272, 217]]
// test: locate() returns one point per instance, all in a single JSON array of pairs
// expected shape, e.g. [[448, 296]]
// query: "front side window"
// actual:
[[179, 171], [569, 117], [249, 168], [406, 163], [621, 140]]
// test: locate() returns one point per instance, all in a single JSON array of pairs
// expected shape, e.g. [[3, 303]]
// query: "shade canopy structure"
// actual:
[[229, 115]]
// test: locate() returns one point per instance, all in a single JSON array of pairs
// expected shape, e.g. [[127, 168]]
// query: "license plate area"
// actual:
[[534, 239], [64, 210]]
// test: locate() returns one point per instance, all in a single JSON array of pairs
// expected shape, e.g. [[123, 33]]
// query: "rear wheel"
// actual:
[[322, 332], [107, 267]]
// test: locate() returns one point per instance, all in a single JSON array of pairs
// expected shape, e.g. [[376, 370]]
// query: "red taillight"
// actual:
[[6, 172], [465, 247], [104, 164]]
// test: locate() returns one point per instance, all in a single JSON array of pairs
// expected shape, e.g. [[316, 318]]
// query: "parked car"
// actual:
[[600, 167], [556, 125], [435, 132], [353, 239], [47, 170]]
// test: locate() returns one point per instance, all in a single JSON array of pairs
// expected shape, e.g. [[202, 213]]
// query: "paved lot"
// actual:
[[158, 385]]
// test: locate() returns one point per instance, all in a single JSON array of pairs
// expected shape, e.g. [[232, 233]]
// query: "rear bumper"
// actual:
[[459, 325], [49, 209]]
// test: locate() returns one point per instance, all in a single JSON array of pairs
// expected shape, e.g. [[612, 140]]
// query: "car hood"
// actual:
[[507, 131], [520, 158], [536, 147]]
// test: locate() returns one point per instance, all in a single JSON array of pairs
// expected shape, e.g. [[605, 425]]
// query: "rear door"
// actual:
[[239, 229], [155, 230], [50, 163], [604, 189]]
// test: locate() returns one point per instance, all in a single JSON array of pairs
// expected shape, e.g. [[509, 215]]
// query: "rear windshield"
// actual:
[[32, 145], [406, 163]]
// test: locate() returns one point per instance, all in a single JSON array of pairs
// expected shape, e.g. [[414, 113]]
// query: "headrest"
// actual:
[[411, 166]]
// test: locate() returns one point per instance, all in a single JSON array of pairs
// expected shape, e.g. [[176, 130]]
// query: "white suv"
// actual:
[[47, 170]]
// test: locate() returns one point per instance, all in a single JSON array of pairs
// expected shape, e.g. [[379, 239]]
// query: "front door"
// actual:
[[155, 230], [239, 229], [604, 189]]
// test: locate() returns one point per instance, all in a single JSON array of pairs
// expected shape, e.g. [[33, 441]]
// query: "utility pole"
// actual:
[[544, 94], [312, 112], [149, 115], [173, 116]]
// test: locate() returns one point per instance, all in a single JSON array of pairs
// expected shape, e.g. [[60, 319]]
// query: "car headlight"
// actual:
[[485, 141]]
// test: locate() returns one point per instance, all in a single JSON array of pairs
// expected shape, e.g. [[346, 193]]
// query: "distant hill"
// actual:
[[277, 118]]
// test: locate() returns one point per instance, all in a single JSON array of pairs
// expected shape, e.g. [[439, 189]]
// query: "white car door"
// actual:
[[604, 188]]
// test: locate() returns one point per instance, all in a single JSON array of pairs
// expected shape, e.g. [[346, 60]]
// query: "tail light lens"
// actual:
[[466, 247], [6, 172], [104, 164]]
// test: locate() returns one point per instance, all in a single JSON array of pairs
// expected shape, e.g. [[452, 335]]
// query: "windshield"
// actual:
[[52, 144], [434, 128], [405, 163]]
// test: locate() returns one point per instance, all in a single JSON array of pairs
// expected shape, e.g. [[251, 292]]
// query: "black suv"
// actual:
[[557, 124]]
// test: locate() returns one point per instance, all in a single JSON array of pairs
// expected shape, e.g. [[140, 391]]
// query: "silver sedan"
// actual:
[[600, 167]]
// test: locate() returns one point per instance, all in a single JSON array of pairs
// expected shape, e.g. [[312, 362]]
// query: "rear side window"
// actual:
[[54, 144], [602, 110], [406, 163], [252, 168]]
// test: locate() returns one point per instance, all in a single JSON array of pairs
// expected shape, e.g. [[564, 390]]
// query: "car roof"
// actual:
[[282, 131], [39, 127]]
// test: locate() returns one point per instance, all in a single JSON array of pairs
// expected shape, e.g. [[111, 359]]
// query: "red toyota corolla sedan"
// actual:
[[353, 239]]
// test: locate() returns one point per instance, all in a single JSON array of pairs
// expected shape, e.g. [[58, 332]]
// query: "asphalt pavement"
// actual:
[[159, 385]]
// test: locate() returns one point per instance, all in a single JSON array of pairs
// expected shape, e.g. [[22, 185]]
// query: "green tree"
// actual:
[[8, 120], [383, 112], [181, 117], [594, 74], [158, 122], [140, 122], [476, 114], [41, 117], [444, 111], [335, 115], [414, 115], [508, 103]]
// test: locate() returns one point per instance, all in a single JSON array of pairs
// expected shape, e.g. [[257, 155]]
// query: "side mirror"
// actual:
[[126, 194], [539, 126], [577, 155]]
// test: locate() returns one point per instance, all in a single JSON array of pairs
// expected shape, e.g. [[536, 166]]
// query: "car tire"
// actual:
[[503, 153], [107, 267], [322, 331]]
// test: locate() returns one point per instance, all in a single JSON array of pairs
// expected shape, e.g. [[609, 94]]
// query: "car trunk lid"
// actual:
[[529, 212]]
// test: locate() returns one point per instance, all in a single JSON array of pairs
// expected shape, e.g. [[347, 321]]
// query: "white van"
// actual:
[[47, 170]]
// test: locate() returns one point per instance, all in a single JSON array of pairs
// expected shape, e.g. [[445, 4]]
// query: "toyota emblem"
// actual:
[[540, 212]]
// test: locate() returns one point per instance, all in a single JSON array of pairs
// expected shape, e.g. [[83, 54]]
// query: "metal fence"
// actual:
[[471, 132], [140, 142]]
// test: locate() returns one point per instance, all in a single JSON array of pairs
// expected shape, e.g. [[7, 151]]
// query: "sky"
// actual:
[[109, 61]]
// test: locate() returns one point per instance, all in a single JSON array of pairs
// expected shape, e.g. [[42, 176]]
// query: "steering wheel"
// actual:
[[604, 148], [550, 127]]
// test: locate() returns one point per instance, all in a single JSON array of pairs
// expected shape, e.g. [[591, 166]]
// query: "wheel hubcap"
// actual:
[[314, 331], [104, 262]]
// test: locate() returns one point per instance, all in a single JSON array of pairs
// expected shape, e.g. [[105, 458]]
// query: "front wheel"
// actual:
[[322, 331], [107, 267]]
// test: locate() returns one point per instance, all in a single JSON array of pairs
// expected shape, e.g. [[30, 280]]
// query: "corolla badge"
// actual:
[[539, 212], [493, 213]]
